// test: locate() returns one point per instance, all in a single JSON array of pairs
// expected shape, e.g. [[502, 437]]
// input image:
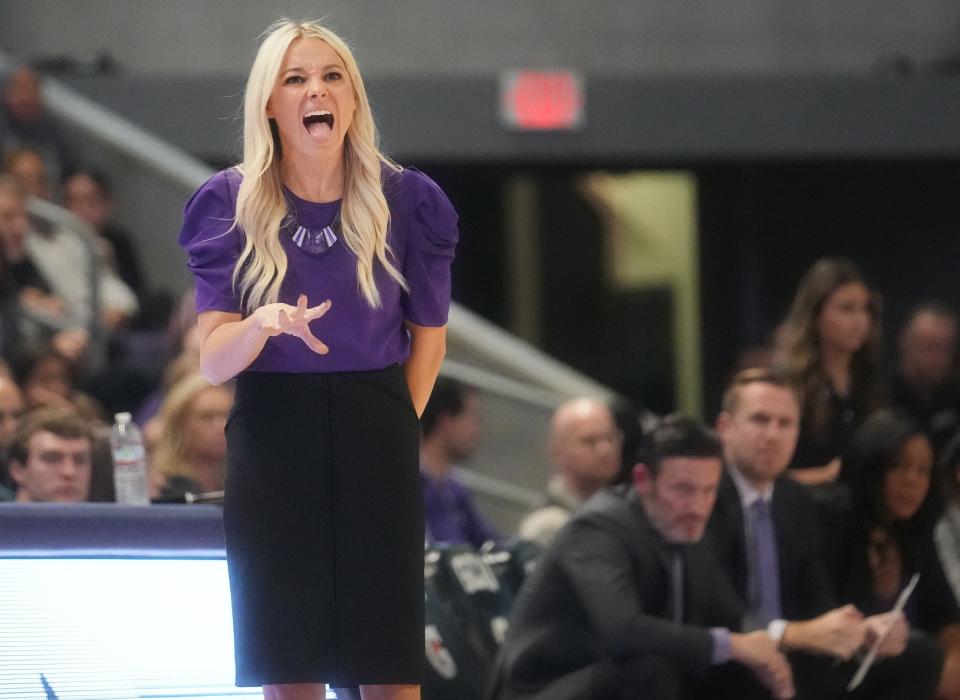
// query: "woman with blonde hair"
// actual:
[[830, 340], [190, 451], [323, 512]]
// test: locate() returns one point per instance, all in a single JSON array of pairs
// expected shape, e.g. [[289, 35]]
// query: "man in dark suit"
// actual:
[[765, 532], [626, 603]]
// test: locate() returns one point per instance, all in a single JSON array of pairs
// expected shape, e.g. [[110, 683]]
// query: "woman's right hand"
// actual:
[[278, 318]]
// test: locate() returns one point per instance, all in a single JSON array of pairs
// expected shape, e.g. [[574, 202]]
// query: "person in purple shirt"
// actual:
[[450, 429], [322, 274]]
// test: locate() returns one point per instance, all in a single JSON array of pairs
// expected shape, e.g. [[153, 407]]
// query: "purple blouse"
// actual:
[[422, 236]]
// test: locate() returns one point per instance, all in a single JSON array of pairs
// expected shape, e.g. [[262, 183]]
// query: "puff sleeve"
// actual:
[[212, 243], [431, 242]]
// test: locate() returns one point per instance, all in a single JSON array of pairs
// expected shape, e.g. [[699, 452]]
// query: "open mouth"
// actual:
[[315, 121]]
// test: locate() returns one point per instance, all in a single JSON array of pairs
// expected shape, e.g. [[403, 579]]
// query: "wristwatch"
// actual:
[[775, 630]]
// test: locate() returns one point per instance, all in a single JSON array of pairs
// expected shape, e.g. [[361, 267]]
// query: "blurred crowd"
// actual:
[[866, 450], [858, 459], [82, 332]]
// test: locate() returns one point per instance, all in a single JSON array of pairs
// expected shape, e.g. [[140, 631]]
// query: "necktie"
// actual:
[[765, 569]]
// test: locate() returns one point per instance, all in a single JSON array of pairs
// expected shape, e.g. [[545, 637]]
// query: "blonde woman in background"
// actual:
[[190, 451], [318, 235]]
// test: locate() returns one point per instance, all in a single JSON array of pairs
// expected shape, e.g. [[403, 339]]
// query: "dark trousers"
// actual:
[[913, 675]]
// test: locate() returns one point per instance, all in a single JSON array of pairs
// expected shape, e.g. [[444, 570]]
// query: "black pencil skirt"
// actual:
[[323, 516]]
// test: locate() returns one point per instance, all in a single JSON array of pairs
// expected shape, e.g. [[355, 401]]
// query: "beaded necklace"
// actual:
[[315, 241]]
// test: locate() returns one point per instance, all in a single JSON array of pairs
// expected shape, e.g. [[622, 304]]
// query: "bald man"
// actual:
[[584, 449], [11, 408]]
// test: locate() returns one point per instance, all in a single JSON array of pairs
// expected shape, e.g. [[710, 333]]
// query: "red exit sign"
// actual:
[[532, 100]]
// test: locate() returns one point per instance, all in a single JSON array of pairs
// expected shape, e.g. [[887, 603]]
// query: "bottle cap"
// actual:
[[122, 418]]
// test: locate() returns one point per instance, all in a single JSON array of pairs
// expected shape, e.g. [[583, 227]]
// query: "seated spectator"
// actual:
[[924, 382], [627, 602], [50, 457], [28, 167], [450, 428], [32, 313], [190, 454], [896, 503], [765, 533], [87, 192], [584, 450], [947, 531], [10, 312], [135, 354], [11, 408], [48, 380], [64, 257], [24, 122], [831, 341]]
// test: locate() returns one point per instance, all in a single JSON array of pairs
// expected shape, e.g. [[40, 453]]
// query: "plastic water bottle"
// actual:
[[129, 462]]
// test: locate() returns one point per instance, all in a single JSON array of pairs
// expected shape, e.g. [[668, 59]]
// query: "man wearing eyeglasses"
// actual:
[[584, 450]]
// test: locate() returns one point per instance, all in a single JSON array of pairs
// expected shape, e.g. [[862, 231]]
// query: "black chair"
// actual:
[[474, 593], [512, 561], [457, 653]]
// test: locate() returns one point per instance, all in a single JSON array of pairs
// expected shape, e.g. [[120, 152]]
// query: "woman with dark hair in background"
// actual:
[[831, 341], [895, 501], [88, 193]]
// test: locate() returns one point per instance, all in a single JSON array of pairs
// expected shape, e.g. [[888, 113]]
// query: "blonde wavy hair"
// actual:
[[261, 205], [170, 455]]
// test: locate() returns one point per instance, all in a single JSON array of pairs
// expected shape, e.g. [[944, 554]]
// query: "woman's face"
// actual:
[[312, 101], [845, 319], [83, 196], [204, 424], [906, 484]]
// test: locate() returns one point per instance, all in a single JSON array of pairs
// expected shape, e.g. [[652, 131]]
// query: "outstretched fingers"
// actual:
[[301, 308], [313, 342], [297, 323], [317, 311]]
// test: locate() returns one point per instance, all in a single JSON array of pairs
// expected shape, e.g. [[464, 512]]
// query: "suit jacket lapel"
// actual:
[[735, 542]]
